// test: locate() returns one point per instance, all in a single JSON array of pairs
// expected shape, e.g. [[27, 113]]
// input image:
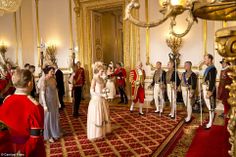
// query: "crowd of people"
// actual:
[[40, 121]]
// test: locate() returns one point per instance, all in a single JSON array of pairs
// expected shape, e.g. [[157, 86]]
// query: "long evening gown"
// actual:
[[51, 117], [98, 121]]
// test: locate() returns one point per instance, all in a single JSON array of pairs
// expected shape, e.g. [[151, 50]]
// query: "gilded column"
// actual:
[[147, 34], [131, 42]]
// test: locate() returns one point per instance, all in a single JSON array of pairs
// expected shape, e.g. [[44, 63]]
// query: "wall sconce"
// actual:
[[50, 56], [3, 48]]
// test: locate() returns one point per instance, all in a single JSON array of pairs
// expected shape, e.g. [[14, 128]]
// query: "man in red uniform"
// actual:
[[120, 74], [137, 78], [78, 83], [223, 92], [24, 117]]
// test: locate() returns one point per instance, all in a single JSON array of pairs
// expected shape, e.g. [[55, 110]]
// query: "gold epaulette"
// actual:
[[6, 98], [32, 100]]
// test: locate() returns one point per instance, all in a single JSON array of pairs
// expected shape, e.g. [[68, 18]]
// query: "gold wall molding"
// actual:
[[79, 30], [17, 20], [16, 39], [37, 30], [205, 37], [131, 41], [71, 26]]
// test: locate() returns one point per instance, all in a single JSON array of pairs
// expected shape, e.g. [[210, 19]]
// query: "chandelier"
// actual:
[[205, 9], [7, 6]]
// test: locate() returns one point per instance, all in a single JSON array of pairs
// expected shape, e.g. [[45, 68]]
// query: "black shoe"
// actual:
[[121, 102], [172, 117], [76, 115], [187, 122], [141, 114], [207, 128], [131, 111]]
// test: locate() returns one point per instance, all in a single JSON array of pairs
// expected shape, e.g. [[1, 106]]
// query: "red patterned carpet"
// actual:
[[133, 135]]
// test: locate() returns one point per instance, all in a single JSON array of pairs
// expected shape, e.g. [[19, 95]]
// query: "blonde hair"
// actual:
[[97, 66], [21, 78]]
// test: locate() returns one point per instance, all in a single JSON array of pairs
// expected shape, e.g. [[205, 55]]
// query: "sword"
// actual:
[[200, 98]]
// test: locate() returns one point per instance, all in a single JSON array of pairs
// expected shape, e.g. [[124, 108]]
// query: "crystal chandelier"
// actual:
[[7, 6], [171, 9]]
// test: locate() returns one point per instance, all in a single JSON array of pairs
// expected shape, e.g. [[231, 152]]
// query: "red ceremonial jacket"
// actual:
[[134, 78], [79, 78], [20, 113], [120, 74], [223, 92]]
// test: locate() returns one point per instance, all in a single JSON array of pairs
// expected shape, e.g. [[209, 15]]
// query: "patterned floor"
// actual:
[[133, 135]]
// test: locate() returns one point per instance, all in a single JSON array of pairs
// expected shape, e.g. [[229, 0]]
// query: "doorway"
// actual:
[[107, 35]]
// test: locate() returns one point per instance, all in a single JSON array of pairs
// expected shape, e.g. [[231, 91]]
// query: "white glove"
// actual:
[[42, 95], [93, 93]]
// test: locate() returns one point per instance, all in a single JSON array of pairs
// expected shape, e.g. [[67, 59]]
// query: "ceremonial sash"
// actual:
[[185, 79], [207, 70]]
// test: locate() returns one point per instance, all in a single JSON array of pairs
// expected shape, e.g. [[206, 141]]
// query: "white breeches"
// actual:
[[172, 98], [208, 104], [187, 101], [158, 97], [207, 100]]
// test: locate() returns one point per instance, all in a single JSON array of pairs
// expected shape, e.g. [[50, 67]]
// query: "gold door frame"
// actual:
[[130, 32]]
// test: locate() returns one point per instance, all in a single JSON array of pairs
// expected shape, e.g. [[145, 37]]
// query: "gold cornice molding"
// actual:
[[218, 10]]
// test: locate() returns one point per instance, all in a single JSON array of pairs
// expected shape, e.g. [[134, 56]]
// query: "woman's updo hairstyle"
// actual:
[[97, 66], [47, 69]]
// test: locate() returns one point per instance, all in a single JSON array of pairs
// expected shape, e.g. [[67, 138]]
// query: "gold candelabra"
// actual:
[[174, 43], [170, 10]]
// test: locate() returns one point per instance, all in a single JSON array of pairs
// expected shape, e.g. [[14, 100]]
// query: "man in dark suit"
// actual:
[[60, 85], [32, 70]]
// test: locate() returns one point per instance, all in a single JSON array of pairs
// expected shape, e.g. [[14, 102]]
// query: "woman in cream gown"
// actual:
[[98, 119], [110, 84]]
